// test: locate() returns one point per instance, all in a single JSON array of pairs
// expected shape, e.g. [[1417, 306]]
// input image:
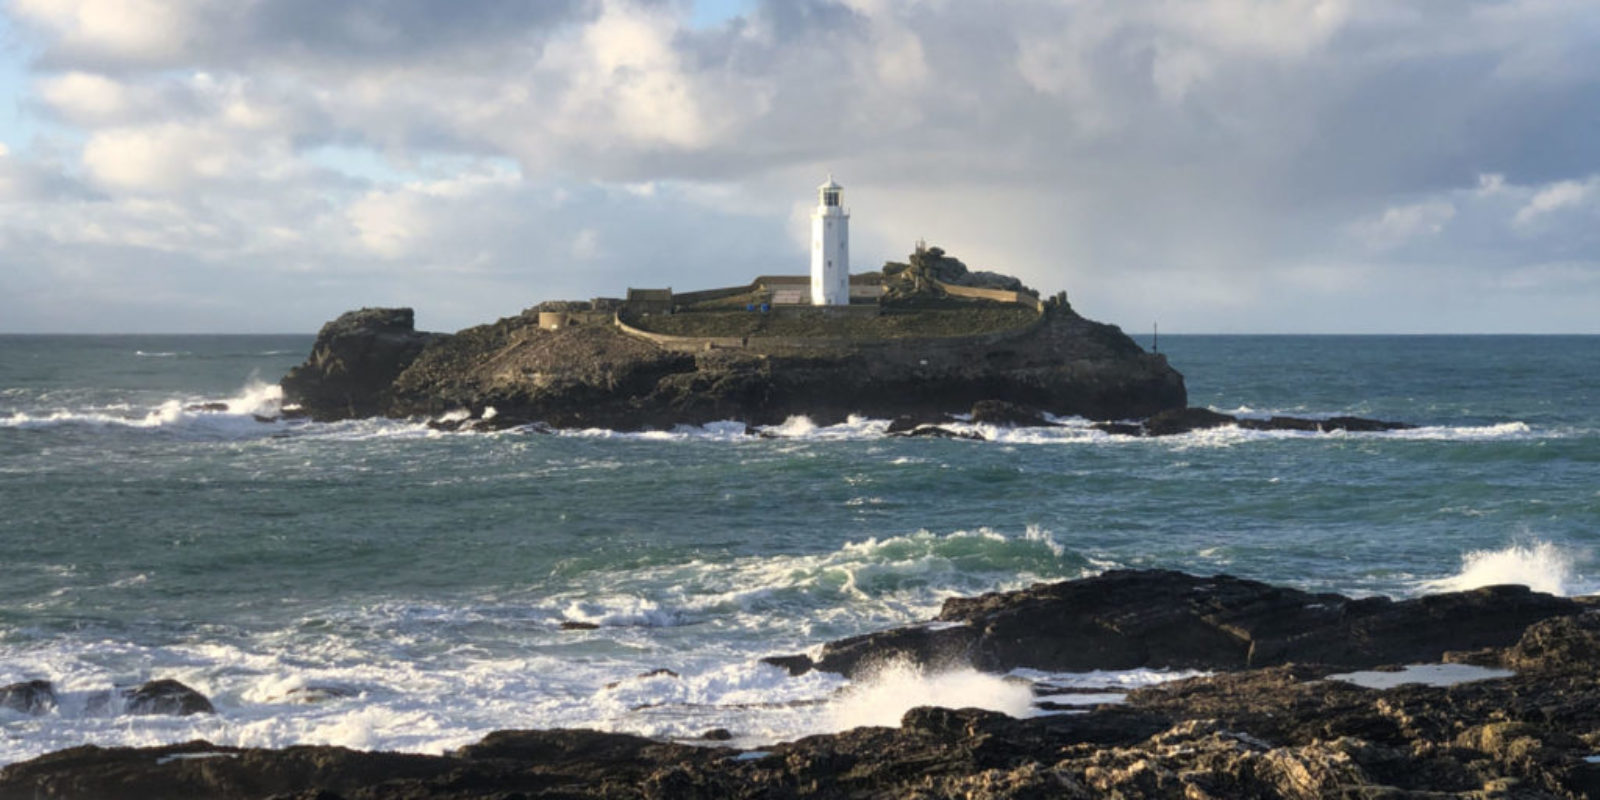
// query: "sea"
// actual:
[[378, 584]]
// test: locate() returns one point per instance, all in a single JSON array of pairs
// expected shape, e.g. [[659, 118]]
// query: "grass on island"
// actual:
[[818, 323]]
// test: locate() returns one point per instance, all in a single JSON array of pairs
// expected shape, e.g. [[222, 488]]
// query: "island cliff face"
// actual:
[[372, 362]]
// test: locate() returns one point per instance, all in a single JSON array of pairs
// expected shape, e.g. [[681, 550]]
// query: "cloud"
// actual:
[[1401, 224], [1211, 163], [1556, 197]]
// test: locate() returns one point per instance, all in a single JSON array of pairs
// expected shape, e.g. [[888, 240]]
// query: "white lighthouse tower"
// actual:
[[830, 247]]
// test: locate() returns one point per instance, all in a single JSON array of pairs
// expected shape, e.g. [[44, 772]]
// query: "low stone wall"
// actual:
[[556, 320], [776, 345], [704, 295], [997, 295]]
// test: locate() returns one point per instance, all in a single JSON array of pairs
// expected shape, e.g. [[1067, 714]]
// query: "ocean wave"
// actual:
[[379, 694], [236, 415], [1540, 565], [160, 354]]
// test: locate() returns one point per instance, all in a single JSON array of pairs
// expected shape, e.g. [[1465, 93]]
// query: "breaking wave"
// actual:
[[257, 401], [1541, 566]]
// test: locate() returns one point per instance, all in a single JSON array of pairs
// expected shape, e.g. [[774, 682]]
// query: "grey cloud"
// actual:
[[1174, 159]]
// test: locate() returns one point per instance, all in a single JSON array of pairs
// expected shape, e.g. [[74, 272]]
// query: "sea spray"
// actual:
[[898, 686], [1539, 565]]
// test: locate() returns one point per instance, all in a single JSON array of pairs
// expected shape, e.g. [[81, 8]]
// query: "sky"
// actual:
[[1211, 166]]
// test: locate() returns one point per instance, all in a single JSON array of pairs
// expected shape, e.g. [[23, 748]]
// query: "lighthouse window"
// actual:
[[830, 198]]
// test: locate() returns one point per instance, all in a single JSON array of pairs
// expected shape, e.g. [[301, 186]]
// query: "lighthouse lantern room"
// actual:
[[830, 247]]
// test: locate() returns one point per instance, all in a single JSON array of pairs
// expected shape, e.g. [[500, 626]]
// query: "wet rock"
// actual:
[[795, 665], [655, 673], [576, 625], [318, 694], [1126, 619], [1002, 412], [1187, 420], [717, 735], [165, 697], [29, 697], [905, 423], [1120, 428], [354, 363], [213, 406], [1282, 731], [937, 432]]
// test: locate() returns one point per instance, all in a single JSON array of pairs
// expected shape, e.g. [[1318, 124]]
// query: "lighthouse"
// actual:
[[830, 247]]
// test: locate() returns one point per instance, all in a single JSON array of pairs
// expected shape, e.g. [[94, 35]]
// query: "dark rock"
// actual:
[[319, 694], [936, 432], [1152, 618], [935, 647], [1188, 420], [213, 406], [1001, 412], [905, 423], [717, 735], [1352, 424], [29, 697], [1561, 644], [354, 363], [575, 625], [651, 674], [796, 665], [1185, 420], [1282, 731], [165, 697], [1120, 428]]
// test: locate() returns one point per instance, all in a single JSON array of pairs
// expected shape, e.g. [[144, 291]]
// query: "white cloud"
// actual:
[[135, 29], [1210, 154], [1401, 224], [1556, 197]]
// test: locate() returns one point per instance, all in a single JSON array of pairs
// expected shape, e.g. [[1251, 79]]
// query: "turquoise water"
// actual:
[[425, 575]]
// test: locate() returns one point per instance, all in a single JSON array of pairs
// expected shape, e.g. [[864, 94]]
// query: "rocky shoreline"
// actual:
[[1275, 719]]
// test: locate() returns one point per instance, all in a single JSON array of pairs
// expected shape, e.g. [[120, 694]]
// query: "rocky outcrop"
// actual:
[[1154, 618], [164, 697], [1291, 730], [1001, 412], [29, 697], [354, 363], [594, 375], [1187, 420]]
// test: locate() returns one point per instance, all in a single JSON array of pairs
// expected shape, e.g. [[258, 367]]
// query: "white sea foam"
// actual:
[[884, 696], [1539, 565], [1064, 431], [204, 416]]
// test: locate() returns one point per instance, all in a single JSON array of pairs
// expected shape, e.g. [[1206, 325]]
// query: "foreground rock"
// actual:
[[1127, 619], [372, 362], [1282, 731]]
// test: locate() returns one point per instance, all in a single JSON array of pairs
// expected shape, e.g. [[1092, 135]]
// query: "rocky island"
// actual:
[[1281, 714], [920, 340]]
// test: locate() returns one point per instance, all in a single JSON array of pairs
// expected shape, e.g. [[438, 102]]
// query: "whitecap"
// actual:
[[1539, 565]]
